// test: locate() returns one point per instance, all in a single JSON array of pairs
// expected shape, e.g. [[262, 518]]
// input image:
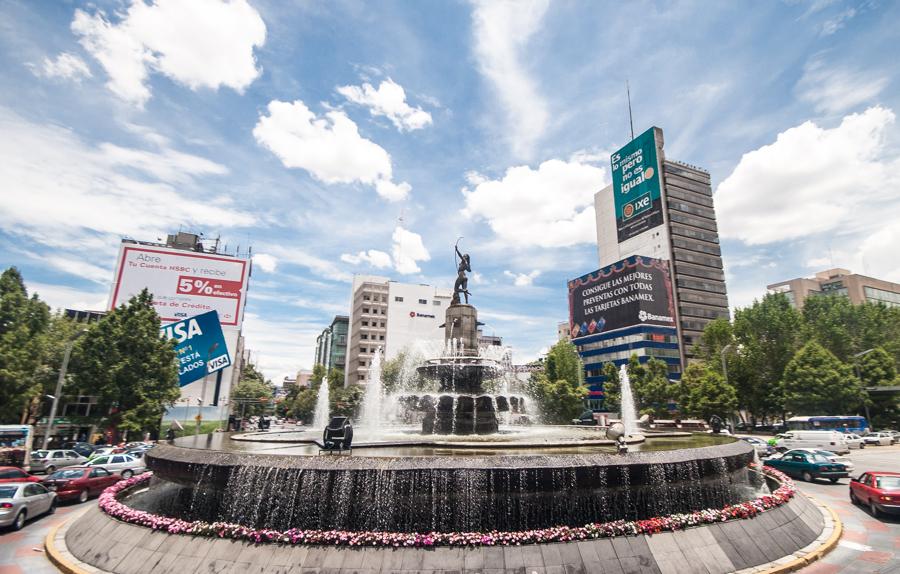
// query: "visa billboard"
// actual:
[[636, 176], [200, 345], [634, 291]]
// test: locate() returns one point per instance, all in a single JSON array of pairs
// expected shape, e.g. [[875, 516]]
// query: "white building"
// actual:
[[388, 315]]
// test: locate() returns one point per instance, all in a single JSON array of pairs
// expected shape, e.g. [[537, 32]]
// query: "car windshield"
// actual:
[[8, 491], [39, 454], [888, 482], [67, 474]]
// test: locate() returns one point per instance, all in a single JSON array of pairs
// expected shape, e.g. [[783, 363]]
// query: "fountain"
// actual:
[[457, 473], [321, 416], [629, 414]]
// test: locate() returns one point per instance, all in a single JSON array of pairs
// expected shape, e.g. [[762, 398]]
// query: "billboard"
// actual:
[[183, 283], [200, 345], [634, 291], [636, 179]]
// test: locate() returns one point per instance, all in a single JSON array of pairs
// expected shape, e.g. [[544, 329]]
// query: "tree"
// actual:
[[703, 393], [303, 406], [60, 332], [127, 365], [335, 378], [817, 383], [878, 369], [612, 394], [559, 390], [23, 320], [250, 390], [319, 372], [716, 336], [650, 385], [767, 335]]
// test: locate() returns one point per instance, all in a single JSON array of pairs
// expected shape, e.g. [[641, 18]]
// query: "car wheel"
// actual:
[[853, 499], [51, 469], [833, 480], [807, 476], [19, 522], [52, 508], [83, 496], [127, 474], [874, 510]]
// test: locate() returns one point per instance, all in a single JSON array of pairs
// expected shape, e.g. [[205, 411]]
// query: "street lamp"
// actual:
[[203, 389], [59, 385], [859, 376]]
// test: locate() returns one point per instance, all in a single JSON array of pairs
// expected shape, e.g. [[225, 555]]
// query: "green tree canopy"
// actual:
[[250, 390], [23, 321], [650, 385], [817, 383], [559, 390], [878, 369], [123, 361], [703, 393]]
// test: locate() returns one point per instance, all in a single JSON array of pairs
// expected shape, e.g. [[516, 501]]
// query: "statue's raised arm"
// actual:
[[462, 282]]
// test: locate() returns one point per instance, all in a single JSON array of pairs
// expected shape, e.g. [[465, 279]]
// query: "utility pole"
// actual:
[[203, 389], [59, 386]]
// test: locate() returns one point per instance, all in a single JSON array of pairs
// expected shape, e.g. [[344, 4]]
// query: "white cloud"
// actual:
[[810, 180], [552, 206], [64, 297], [407, 249], [373, 257], [265, 262], [63, 192], [389, 100], [322, 267], [834, 90], [329, 148], [523, 279], [834, 24], [200, 44], [282, 347], [502, 30], [66, 66]]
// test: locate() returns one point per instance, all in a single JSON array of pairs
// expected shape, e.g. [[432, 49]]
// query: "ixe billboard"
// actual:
[[183, 283], [636, 186], [634, 291], [200, 345]]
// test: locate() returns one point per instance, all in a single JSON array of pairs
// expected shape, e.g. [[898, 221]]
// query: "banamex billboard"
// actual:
[[636, 179], [634, 291], [183, 283]]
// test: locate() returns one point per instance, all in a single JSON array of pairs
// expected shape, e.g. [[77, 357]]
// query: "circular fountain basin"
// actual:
[[442, 486]]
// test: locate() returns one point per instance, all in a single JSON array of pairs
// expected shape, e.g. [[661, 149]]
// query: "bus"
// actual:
[[15, 445], [847, 424]]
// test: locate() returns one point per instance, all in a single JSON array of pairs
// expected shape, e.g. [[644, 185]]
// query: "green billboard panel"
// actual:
[[636, 186]]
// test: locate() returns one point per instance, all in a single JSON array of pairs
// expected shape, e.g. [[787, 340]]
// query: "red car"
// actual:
[[79, 482], [880, 491], [13, 474]]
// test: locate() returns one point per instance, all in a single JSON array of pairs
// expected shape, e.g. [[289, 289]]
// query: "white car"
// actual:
[[20, 501], [855, 441], [879, 438], [50, 460], [121, 464]]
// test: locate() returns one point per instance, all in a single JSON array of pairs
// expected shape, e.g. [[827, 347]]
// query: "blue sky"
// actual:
[[359, 137]]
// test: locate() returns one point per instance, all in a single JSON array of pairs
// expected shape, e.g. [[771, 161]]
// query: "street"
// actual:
[[22, 552]]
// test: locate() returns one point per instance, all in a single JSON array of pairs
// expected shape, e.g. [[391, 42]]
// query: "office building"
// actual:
[[562, 331], [331, 344], [388, 315], [858, 288], [678, 226]]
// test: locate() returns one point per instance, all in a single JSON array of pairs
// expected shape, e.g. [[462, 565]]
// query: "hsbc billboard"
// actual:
[[636, 176], [634, 291], [183, 283]]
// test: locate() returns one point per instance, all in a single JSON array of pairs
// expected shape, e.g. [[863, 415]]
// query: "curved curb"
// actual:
[[804, 557], [58, 553]]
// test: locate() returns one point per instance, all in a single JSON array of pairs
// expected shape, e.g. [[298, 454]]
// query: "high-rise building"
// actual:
[[682, 230], [858, 288], [388, 315], [331, 344]]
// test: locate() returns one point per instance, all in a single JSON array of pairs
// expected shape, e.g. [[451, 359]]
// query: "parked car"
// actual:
[[879, 438], [50, 460], [855, 441], [83, 448], [14, 474], [808, 466], [80, 482], [880, 491], [833, 457], [122, 464], [762, 447], [102, 451], [20, 501], [827, 440]]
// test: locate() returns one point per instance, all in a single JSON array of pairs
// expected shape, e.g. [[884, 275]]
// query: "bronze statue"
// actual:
[[462, 282]]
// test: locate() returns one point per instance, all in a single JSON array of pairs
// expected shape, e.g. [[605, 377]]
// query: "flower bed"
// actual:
[[110, 504]]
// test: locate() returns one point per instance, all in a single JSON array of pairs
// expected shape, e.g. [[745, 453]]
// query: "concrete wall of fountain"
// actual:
[[446, 494]]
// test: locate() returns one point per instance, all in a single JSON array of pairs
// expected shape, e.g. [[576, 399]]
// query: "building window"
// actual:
[[363, 336], [342, 339], [382, 324], [398, 299], [365, 309], [437, 303], [423, 301], [875, 295], [381, 337], [365, 323], [365, 297]]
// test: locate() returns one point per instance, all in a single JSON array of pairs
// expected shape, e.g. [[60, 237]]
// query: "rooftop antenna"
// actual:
[[630, 118]]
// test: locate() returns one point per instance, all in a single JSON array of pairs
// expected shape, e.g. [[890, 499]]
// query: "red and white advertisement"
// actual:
[[183, 283]]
